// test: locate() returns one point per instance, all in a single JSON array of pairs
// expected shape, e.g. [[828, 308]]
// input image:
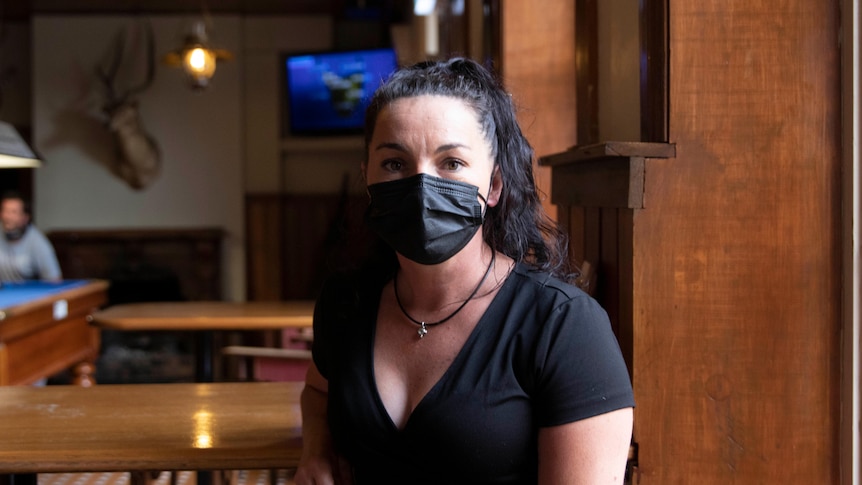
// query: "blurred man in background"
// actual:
[[25, 253]]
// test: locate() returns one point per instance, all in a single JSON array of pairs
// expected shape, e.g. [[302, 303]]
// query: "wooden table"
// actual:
[[44, 329], [206, 317], [150, 427]]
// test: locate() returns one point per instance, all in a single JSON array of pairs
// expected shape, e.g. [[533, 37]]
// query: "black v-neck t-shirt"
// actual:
[[543, 354]]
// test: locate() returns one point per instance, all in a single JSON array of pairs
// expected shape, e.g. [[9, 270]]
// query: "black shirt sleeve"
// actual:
[[580, 369]]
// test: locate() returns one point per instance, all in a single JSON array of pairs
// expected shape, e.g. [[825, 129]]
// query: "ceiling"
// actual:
[[22, 9]]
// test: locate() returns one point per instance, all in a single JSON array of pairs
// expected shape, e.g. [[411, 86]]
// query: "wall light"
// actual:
[[14, 151], [196, 57]]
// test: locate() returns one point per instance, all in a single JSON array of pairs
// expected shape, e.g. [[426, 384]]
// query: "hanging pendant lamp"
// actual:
[[196, 56], [14, 151]]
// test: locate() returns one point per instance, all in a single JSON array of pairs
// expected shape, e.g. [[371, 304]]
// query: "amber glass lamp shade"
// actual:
[[199, 64]]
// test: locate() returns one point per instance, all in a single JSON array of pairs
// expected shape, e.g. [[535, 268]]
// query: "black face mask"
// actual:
[[426, 219]]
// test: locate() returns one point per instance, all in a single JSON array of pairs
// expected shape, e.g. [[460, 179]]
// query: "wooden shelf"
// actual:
[[323, 144], [609, 174]]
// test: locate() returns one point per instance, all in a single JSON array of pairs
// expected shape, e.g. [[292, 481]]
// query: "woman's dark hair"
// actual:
[[517, 226]]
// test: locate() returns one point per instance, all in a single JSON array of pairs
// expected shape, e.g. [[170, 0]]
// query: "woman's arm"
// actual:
[[592, 451], [319, 464]]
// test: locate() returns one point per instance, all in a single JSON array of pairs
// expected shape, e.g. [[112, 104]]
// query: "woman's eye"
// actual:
[[393, 165], [452, 164]]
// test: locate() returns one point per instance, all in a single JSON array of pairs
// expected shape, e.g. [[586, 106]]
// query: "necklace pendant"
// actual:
[[422, 331]]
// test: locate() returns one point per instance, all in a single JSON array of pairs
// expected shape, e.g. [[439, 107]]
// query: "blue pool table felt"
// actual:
[[12, 294]]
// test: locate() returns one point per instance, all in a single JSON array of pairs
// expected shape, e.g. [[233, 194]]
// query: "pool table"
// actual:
[[45, 328]]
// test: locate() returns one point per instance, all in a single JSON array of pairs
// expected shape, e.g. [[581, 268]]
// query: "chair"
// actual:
[[286, 363], [586, 279], [289, 362]]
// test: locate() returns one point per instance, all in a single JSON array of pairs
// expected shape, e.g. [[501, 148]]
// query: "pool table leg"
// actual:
[[84, 374]]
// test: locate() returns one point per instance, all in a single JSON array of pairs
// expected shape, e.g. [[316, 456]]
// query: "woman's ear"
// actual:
[[363, 177], [496, 188], [363, 172]]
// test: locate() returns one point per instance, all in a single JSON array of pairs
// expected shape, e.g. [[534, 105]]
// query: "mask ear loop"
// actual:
[[485, 208], [490, 188]]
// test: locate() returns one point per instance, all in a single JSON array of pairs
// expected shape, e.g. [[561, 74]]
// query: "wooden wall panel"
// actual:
[[625, 285], [603, 237], [737, 304], [538, 67], [572, 219], [156, 264], [608, 263], [263, 250], [295, 241]]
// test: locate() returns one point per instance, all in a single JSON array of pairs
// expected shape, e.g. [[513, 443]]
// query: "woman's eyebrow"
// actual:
[[399, 147], [391, 146], [450, 146]]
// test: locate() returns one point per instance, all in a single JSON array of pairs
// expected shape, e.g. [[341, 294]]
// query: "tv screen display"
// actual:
[[327, 92]]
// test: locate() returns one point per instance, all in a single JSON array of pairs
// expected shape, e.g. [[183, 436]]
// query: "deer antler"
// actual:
[[138, 156], [108, 74], [151, 64]]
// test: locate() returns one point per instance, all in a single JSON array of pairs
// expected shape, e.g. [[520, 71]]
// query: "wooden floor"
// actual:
[[240, 477]]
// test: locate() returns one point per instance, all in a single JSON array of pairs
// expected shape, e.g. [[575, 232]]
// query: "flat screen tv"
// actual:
[[326, 93]]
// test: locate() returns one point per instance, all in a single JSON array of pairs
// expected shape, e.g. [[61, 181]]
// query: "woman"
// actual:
[[458, 355]]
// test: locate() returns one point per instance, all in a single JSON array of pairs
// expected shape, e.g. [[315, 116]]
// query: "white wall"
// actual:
[[310, 165], [198, 133], [293, 165], [216, 145]]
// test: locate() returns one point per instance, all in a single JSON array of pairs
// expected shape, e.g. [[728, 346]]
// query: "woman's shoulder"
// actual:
[[550, 300], [543, 282]]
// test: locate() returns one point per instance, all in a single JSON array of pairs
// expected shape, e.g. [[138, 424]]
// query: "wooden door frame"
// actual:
[[654, 71], [851, 87]]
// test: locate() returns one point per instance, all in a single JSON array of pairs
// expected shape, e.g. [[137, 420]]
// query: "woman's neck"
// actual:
[[437, 287]]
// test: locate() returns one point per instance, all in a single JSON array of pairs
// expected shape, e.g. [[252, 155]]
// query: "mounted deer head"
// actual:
[[138, 160]]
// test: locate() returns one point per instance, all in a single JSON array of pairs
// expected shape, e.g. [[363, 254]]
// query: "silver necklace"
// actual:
[[423, 326]]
